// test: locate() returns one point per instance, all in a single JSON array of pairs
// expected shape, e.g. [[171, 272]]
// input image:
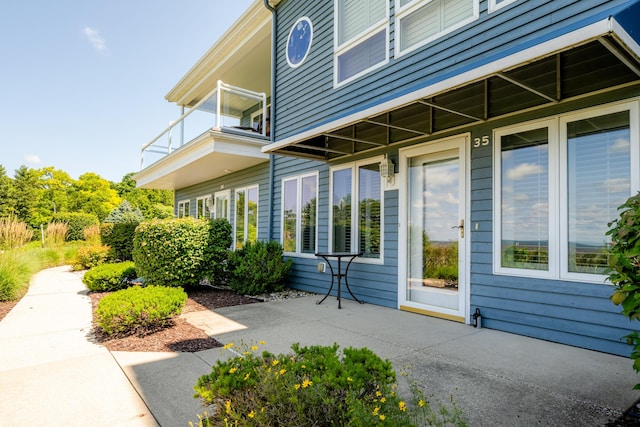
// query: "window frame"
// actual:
[[355, 208], [558, 251], [206, 206], [299, 179], [415, 5], [246, 189], [494, 5], [219, 195], [184, 208], [342, 48]]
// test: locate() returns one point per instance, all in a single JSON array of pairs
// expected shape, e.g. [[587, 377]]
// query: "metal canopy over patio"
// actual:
[[605, 58]]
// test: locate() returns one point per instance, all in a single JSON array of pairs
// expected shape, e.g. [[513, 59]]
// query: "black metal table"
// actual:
[[339, 275]]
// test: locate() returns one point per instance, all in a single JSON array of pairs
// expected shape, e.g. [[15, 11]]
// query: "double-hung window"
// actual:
[[246, 215], [184, 208], [559, 183], [203, 207], [221, 205], [357, 209], [299, 214], [361, 37], [420, 21]]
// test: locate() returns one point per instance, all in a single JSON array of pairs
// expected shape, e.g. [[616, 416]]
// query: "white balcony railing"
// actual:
[[226, 107]]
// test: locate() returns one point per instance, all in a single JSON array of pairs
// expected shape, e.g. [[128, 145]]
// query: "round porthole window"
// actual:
[[299, 42]]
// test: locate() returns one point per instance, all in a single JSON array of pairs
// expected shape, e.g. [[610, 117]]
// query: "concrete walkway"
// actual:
[[51, 374]]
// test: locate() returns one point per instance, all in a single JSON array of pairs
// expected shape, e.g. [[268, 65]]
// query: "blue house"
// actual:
[[473, 152]]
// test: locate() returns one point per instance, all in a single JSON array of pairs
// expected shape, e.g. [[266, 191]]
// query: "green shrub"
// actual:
[[171, 252], [91, 256], [77, 222], [110, 277], [139, 309], [313, 386], [217, 251], [624, 260], [119, 237], [258, 267]]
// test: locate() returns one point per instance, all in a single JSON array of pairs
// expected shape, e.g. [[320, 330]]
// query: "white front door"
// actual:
[[434, 233]]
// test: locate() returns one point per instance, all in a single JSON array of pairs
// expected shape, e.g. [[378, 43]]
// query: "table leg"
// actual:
[[346, 282], [331, 287]]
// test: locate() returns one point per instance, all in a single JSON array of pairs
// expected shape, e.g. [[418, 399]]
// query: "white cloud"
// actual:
[[94, 37], [32, 159], [524, 170]]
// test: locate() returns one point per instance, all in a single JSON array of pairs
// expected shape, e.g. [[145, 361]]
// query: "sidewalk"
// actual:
[[51, 374]]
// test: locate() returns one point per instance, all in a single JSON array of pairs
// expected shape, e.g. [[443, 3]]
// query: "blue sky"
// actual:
[[83, 82]]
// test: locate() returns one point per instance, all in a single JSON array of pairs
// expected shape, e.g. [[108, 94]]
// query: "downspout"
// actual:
[[272, 166]]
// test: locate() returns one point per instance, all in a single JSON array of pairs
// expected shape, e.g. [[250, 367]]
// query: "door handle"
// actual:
[[461, 228]]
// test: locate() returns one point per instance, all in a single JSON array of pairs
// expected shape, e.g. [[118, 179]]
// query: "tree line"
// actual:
[[36, 196]]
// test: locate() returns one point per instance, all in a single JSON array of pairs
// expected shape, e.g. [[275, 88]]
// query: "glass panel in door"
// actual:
[[436, 230]]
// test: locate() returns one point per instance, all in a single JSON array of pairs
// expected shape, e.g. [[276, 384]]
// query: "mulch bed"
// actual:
[[180, 335]]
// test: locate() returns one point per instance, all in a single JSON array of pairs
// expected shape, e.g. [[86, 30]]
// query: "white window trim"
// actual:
[[339, 49], [298, 179], [355, 202], [227, 194], [246, 209], [402, 12], [182, 203], [558, 197], [206, 199], [493, 6]]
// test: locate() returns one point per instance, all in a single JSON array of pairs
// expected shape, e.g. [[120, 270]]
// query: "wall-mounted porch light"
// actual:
[[387, 170]]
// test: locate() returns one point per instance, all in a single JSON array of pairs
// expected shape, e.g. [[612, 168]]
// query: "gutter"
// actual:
[[272, 133]]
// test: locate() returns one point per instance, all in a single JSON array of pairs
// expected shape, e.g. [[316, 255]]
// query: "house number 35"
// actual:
[[481, 142]]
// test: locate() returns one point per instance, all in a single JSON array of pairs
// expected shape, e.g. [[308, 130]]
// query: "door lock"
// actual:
[[461, 228]]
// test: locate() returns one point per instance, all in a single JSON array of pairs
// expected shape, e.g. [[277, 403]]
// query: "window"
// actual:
[[559, 183], [246, 212], [361, 37], [203, 207], [498, 4], [421, 21], [221, 205], [299, 214], [360, 184], [184, 208]]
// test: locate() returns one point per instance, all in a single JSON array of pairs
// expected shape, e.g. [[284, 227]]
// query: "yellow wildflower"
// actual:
[[228, 346], [282, 371], [246, 376], [421, 403], [233, 370], [254, 347], [402, 406], [227, 406], [262, 342], [349, 379], [275, 362], [306, 383], [251, 414], [297, 386], [382, 417], [378, 394], [384, 399], [376, 410]]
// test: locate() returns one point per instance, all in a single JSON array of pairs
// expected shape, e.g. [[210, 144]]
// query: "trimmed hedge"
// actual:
[[77, 222], [110, 277], [171, 252], [139, 309], [258, 267], [119, 237], [217, 251]]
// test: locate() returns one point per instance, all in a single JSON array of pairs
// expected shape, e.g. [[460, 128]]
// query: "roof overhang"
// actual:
[[575, 61], [241, 57], [213, 154]]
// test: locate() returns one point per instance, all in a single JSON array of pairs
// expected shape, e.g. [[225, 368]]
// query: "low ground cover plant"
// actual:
[[110, 276], [258, 267], [89, 256], [315, 385], [138, 310]]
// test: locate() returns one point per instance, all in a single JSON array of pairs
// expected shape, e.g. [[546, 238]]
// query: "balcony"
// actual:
[[222, 133]]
